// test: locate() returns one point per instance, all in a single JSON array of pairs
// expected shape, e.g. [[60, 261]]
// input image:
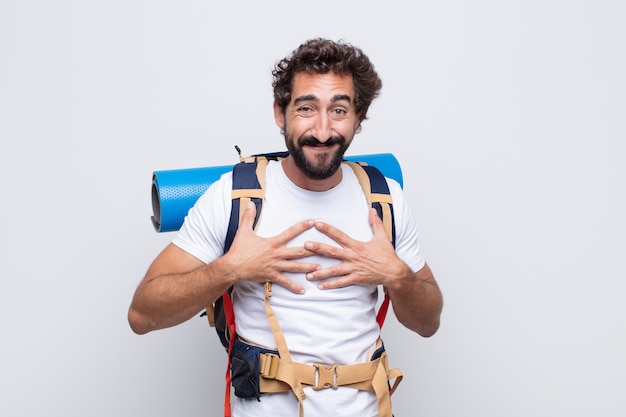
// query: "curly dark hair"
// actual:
[[321, 56]]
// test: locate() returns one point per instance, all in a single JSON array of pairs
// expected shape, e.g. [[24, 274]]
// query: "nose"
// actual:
[[322, 127]]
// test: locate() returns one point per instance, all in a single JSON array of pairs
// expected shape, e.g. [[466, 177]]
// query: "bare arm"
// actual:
[[178, 285], [417, 301], [416, 298]]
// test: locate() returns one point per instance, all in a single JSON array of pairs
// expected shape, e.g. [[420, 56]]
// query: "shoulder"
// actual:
[[204, 230], [395, 188], [217, 191]]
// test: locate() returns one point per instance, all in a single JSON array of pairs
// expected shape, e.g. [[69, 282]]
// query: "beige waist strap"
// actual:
[[277, 375]]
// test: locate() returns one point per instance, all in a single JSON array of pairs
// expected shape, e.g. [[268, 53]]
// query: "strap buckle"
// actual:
[[326, 377], [268, 365]]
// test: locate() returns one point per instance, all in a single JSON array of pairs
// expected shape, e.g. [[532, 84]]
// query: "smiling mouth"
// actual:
[[321, 145], [322, 151], [314, 142]]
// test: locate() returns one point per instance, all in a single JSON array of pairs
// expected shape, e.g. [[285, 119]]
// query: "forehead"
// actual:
[[322, 86]]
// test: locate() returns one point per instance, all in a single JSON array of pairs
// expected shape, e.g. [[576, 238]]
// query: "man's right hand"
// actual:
[[178, 285], [259, 259]]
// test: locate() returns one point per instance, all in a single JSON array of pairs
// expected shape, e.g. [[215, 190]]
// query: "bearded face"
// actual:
[[319, 123], [319, 165]]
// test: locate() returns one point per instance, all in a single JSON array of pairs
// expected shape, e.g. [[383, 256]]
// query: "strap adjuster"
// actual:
[[326, 377], [268, 365]]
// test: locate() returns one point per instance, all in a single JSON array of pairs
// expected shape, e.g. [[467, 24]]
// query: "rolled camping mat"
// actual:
[[175, 191]]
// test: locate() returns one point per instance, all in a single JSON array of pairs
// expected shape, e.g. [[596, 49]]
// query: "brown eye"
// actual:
[[339, 113]]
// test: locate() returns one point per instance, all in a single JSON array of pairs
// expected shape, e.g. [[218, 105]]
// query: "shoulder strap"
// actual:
[[248, 185], [378, 196]]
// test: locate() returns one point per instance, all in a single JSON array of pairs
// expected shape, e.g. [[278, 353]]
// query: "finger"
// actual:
[[293, 231], [377, 223], [247, 219], [296, 252], [338, 271], [324, 249], [288, 284], [378, 228], [297, 267], [333, 233], [335, 283]]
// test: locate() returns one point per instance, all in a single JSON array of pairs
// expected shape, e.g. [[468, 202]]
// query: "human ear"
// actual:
[[279, 116]]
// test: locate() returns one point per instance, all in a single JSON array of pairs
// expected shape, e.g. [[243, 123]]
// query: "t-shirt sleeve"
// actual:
[[204, 229], [407, 232]]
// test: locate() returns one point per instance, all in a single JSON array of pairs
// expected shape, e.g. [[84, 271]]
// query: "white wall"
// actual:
[[507, 117]]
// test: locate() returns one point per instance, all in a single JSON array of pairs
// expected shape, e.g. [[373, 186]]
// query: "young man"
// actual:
[[322, 247]]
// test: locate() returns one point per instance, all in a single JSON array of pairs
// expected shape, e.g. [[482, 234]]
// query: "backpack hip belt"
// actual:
[[259, 371], [276, 375]]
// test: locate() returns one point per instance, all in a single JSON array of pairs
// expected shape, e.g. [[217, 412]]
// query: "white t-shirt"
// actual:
[[321, 326]]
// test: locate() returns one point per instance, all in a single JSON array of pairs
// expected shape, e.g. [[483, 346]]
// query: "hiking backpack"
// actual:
[[248, 185]]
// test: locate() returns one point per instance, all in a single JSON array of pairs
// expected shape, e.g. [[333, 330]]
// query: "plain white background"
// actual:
[[506, 116]]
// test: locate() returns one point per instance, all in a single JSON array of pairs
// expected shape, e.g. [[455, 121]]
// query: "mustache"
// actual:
[[310, 140]]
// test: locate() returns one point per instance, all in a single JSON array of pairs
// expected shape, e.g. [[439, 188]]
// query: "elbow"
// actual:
[[430, 327], [137, 325], [426, 325], [429, 330], [430, 322], [423, 328]]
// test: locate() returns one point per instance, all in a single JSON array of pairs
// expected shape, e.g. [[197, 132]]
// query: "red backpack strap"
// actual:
[[382, 311], [231, 334]]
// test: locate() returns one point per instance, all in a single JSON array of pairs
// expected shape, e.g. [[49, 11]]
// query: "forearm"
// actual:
[[165, 300], [417, 301]]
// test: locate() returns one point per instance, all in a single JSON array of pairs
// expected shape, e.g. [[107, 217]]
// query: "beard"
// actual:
[[324, 165]]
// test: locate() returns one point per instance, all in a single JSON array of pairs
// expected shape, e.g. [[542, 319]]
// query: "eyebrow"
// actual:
[[312, 97]]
